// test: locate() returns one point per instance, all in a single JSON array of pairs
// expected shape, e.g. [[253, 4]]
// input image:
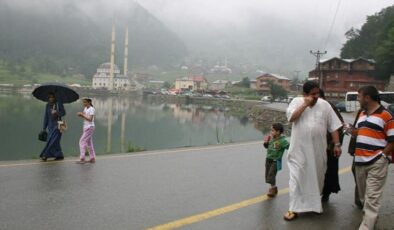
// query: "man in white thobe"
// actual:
[[307, 158]]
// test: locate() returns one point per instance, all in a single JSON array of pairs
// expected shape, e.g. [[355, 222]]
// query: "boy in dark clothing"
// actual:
[[275, 145]]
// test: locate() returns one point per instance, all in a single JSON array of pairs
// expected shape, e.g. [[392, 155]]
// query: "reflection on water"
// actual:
[[121, 121]]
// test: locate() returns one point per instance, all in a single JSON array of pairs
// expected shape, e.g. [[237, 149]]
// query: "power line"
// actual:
[[332, 24]]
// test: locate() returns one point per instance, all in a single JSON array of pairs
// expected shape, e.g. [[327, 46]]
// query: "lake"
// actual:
[[122, 123]]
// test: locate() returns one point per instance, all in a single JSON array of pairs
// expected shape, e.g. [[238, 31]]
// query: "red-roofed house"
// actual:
[[262, 81], [195, 83]]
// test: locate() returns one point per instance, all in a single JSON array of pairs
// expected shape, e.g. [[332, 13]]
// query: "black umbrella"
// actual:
[[62, 92]]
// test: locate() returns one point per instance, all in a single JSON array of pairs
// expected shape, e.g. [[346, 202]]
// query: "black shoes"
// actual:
[[44, 159]]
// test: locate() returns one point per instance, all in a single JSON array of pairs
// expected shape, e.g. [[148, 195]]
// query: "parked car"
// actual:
[[341, 106], [164, 92], [267, 99]]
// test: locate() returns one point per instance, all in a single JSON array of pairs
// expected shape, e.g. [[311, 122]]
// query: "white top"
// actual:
[[89, 112]]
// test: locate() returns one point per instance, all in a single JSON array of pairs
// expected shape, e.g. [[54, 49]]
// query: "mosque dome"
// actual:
[[107, 65]]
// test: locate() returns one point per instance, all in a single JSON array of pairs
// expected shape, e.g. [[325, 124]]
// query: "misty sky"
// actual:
[[304, 22], [314, 16], [273, 35]]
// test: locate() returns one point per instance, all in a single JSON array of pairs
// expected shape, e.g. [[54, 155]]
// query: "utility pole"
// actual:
[[318, 54]]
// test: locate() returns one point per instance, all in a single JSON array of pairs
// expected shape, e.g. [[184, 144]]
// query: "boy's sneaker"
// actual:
[[273, 191]]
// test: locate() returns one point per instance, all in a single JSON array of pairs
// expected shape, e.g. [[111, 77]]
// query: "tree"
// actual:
[[385, 55], [352, 33], [245, 82], [167, 85], [276, 90], [374, 40]]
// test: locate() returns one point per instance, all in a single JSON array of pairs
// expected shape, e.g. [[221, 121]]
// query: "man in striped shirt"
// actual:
[[375, 141]]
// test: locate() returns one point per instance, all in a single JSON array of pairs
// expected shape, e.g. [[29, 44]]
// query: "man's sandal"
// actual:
[[289, 216]]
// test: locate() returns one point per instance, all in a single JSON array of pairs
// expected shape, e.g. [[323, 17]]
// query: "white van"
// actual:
[[266, 98]]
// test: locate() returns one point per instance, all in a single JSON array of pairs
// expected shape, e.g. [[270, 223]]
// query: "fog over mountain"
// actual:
[[270, 35], [56, 36], [275, 35]]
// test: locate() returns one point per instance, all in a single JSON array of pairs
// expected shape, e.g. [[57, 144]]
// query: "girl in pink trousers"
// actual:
[[86, 141]]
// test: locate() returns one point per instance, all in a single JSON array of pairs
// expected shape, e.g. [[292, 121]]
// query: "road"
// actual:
[[217, 187]]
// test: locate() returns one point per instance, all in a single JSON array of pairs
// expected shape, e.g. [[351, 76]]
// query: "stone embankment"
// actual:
[[253, 110]]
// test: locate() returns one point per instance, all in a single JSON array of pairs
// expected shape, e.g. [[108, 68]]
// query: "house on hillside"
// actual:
[[196, 83], [143, 78], [263, 80], [338, 76], [219, 85], [253, 84]]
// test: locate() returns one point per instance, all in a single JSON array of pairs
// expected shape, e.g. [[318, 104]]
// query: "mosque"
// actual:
[[108, 74], [102, 78]]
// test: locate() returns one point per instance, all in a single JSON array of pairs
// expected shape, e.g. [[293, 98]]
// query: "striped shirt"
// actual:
[[374, 132]]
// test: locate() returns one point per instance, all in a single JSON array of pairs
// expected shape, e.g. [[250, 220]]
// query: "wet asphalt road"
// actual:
[[153, 188]]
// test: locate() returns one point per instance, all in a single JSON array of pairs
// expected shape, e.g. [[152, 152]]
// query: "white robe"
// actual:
[[307, 158]]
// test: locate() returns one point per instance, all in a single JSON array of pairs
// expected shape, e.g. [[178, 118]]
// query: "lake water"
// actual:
[[121, 122]]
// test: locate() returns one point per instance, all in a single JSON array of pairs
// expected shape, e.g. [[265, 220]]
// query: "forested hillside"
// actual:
[[62, 38], [374, 40]]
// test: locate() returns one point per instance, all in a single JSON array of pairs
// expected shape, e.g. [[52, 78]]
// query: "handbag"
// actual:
[[43, 136], [62, 126]]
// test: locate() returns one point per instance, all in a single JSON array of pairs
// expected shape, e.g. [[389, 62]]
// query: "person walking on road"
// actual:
[[54, 111], [276, 145], [86, 140], [331, 178], [307, 157], [374, 143]]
